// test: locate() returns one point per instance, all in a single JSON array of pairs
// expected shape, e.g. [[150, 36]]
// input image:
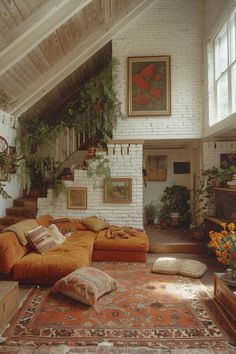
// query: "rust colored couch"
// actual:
[[23, 264]]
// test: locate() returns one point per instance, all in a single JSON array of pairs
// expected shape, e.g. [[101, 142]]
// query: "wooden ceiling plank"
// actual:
[[78, 56], [52, 49], [44, 21], [14, 12], [39, 60]]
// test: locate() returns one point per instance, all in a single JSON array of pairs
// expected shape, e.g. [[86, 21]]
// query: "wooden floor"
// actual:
[[174, 240]]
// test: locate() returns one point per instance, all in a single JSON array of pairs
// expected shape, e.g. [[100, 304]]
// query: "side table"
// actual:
[[9, 301], [225, 295]]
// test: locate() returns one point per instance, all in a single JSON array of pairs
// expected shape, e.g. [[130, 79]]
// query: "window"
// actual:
[[224, 54]]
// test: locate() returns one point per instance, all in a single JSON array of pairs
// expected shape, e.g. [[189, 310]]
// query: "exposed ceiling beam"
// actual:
[[77, 57], [29, 33]]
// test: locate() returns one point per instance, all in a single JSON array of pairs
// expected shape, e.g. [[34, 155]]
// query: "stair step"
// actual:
[[30, 202], [22, 212]]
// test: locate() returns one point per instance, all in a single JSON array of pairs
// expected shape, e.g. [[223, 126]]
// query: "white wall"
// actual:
[[154, 190], [215, 13], [121, 165], [212, 151], [8, 125], [167, 27]]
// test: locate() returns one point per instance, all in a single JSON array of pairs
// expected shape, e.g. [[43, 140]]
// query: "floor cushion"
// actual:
[[86, 285], [185, 267]]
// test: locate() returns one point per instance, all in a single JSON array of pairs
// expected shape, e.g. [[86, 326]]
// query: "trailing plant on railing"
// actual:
[[94, 110], [3, 192]]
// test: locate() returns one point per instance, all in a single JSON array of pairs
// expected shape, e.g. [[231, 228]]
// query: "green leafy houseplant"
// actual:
[[3, 192], [177, 199], [150, 211], [93, 110], [98, 166]]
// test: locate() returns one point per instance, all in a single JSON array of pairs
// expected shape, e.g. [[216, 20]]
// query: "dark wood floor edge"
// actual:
[[218, 314]]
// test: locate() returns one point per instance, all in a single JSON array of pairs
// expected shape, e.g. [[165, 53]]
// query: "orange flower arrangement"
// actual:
[[224, 244]]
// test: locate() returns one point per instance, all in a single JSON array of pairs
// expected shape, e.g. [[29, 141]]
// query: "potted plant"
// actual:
[[177, 198], [150, 211], [163, 214]]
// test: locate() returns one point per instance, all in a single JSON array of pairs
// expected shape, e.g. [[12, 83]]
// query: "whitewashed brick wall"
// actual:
[[167, 27], [8, 125], [212, 151], [121, 165]]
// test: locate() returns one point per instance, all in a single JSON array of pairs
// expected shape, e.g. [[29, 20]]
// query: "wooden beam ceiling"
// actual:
[[29, 33], [82, 52]]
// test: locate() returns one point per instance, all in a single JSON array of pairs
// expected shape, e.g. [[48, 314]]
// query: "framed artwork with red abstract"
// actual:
[[149, 87]]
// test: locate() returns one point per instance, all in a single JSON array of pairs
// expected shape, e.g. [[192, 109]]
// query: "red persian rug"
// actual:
[[147, 309]]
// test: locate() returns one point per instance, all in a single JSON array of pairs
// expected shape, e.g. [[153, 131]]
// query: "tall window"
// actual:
[[225, 69]]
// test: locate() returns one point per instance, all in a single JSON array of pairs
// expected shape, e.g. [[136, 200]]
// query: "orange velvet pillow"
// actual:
[[44, 220]]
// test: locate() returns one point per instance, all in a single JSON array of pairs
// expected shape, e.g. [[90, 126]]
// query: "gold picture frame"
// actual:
[[118, 190], [149, 86], [156, 168], [77, 198]]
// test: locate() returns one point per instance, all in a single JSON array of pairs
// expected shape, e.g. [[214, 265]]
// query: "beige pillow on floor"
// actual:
[[166, 265], [86, 285], [185, 267]]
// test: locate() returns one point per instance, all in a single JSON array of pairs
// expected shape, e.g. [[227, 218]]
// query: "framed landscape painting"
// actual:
[[149, 88], [77, 198], [118, 190]]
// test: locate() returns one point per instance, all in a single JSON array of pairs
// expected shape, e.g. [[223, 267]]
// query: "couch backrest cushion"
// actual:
[[94, 223], [44, 220], [11, 250], [21, 228]]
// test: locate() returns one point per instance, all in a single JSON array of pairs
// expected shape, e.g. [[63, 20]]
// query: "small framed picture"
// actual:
[[118, 190], [157, 168], [77, 198]]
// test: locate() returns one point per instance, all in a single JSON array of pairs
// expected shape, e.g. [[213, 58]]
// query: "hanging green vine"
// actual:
[[94, 110]]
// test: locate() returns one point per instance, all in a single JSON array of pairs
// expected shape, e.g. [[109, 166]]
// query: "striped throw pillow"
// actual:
[[40, 239]]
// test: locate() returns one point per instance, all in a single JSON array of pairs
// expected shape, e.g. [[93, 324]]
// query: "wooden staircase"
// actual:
[[23, 208]]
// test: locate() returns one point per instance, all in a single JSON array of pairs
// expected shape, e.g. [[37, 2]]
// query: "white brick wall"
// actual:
[[167, 27], [119, 214], [8, 125], [212, 151]]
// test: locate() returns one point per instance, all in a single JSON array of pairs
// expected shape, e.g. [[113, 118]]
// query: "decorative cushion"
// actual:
[[40, 239], [166, 265], [186, 267], [95, 224], [21, 228], [86, 285], [65, 225], [56, 234]]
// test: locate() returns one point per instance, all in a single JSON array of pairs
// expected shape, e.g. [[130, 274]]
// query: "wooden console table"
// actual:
[[226, 296], [9, 301]]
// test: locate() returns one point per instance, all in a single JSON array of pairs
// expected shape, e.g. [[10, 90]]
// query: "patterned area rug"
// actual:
[[150, 310]]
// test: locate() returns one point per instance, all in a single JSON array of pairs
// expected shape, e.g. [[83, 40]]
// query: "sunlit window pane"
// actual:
[[223, 51], [233, 80], [232, 28], [222, 96]]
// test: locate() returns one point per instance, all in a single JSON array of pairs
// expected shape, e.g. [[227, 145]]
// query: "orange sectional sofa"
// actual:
[[21, 263]]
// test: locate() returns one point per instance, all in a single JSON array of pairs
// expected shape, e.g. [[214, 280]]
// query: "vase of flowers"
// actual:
[[224, 244]]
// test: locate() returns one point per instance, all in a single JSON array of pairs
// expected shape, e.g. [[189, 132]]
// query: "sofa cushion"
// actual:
[[11, 250], [44, 220], [65, 225], [40, 239], [56, 234], [185, 267], [59, 261], [95, 224], [86, 285], [138, 242], [21, 229]]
